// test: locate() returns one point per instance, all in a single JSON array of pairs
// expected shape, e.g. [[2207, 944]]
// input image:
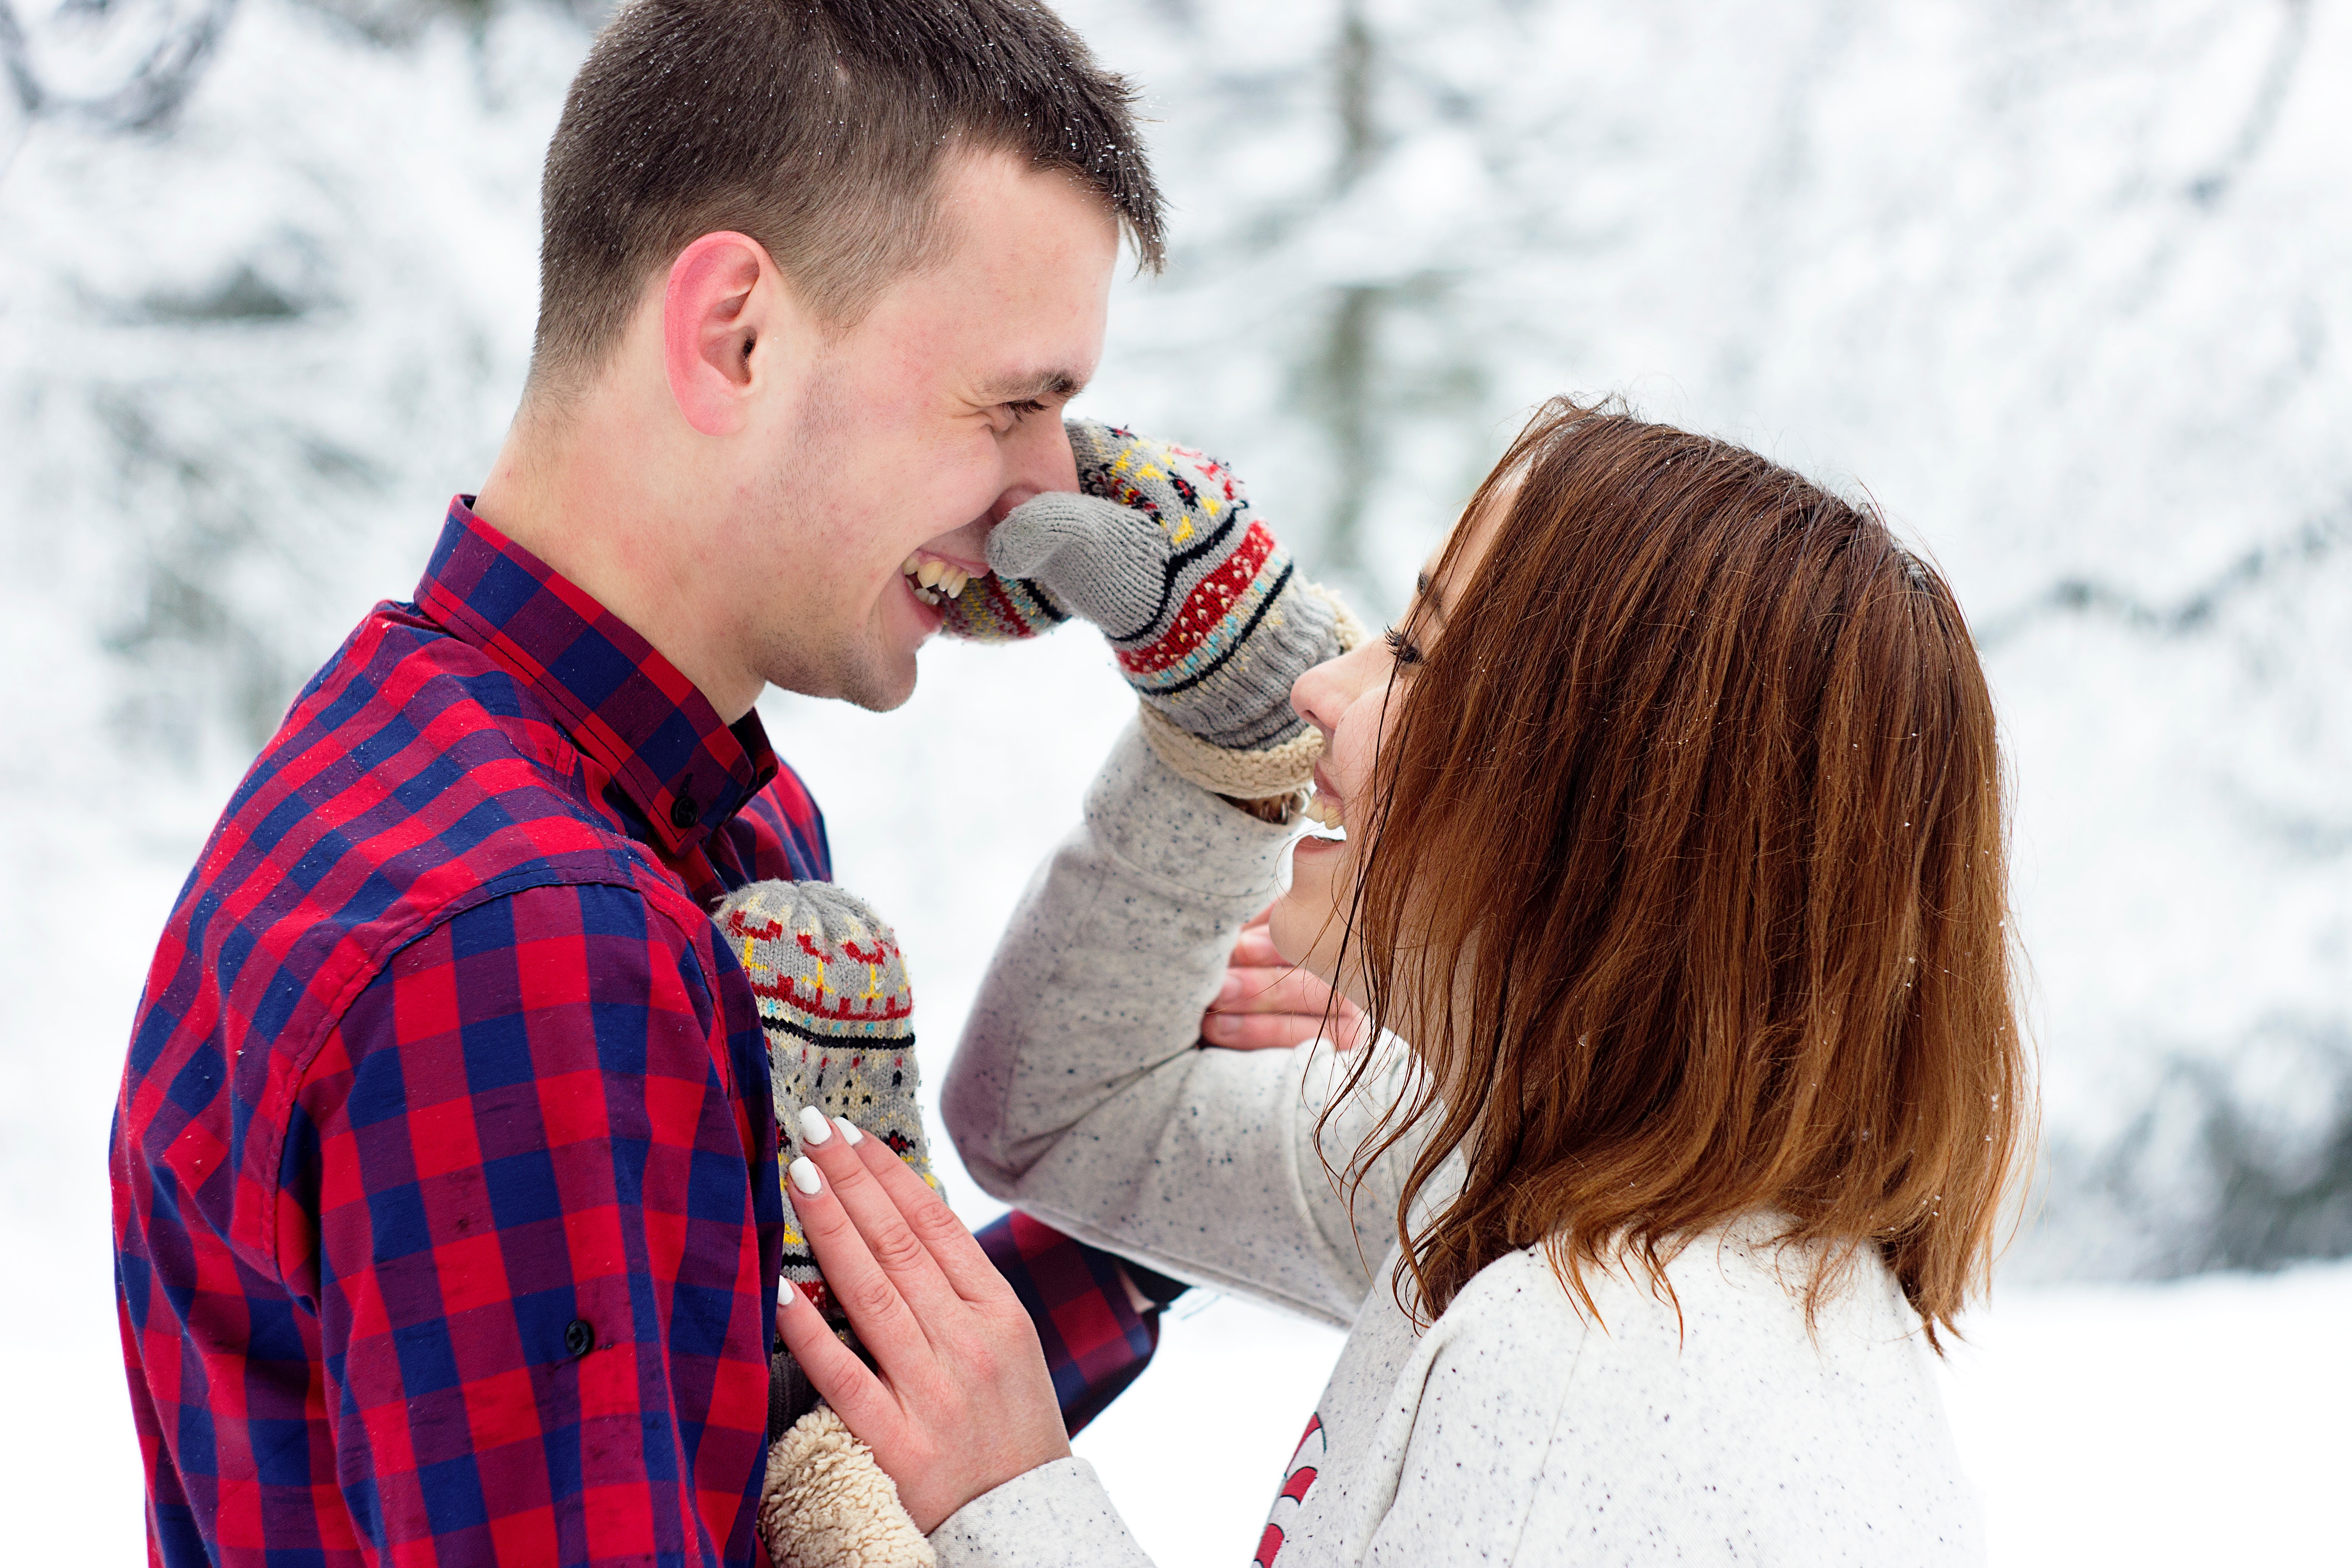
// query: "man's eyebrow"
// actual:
[[1059, 384]]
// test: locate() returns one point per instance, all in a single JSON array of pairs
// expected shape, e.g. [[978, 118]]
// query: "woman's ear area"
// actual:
[[716, 307]]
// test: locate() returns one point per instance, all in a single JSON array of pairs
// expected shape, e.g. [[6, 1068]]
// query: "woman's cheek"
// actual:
[[1355, 749], [1309, 922]]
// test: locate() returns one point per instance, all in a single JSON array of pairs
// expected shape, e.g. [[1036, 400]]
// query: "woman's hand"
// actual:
[[962, 1403], [1268, 1003]]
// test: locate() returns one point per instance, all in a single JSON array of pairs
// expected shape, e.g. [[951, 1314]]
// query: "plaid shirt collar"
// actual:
[[618, 699]]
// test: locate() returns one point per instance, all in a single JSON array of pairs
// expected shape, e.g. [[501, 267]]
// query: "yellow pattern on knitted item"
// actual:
[[849, 1049], [824, 1503]]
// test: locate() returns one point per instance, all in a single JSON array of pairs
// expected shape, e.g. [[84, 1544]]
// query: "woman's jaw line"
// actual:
[[1311, 952]]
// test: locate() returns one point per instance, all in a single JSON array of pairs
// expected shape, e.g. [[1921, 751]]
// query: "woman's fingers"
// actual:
[[1275, 989], [876, 1309], [950, 1243], [835, 1370], [1267, 1003], [1264, 1006], [1257, 1031], [904, 1256], [965, 1402], [1254, 947]]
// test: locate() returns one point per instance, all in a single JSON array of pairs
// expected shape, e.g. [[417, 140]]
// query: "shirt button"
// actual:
[[580, 1337], [683, 812]]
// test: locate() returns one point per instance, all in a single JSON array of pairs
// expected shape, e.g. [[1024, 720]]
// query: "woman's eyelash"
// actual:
[[1400, 649]]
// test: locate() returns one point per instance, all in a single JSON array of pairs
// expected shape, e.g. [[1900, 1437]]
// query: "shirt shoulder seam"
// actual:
[[275, 1115]]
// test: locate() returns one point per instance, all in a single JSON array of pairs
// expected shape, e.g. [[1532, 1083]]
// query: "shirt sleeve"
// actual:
[[1080, 1093], [1096, 1342], [537, 1200]]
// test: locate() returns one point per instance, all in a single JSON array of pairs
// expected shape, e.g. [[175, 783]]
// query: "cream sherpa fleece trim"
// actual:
[[1264, 775], [827, 1504]]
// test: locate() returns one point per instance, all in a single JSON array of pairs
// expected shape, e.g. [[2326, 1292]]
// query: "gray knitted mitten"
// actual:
[[839, 1017], [1205, 611]]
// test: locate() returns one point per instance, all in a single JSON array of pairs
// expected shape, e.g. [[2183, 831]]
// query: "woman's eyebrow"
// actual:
[[1427, 592]]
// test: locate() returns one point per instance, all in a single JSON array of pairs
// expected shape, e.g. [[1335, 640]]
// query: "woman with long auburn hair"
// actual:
[[1672, 864]]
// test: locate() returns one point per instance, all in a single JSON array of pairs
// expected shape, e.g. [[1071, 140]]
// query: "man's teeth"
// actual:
[[935, 580]]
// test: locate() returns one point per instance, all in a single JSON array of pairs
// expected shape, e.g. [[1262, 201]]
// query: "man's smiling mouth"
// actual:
[[934, 579]]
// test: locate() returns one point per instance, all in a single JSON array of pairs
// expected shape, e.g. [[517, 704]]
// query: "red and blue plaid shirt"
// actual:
[[447, 1216]]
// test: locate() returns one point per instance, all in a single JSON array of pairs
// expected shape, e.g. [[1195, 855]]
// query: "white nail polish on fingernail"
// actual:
[[849, 1130], [804, 1177], [814, 1128]]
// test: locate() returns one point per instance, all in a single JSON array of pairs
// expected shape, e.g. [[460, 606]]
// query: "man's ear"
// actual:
[[713, 315]]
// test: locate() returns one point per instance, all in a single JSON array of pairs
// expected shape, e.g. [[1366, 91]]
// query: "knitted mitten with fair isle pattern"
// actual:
[[840, 1021], [839, 1017], [1205, 611]]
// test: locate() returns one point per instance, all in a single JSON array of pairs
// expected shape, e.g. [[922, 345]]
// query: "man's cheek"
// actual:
[[963, 497]]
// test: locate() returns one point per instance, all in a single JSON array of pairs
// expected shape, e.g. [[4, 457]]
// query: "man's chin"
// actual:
[[877, 679], [882, 700], [878, 686]]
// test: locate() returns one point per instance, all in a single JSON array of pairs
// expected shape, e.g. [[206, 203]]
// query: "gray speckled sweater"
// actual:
[[1512, 1430]]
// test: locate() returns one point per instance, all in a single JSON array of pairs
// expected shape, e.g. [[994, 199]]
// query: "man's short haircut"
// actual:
[[816, 127]]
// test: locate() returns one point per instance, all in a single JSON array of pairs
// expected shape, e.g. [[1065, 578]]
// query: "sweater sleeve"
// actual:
[[1477, 1449], [1080, 1092], [1055, 1516]]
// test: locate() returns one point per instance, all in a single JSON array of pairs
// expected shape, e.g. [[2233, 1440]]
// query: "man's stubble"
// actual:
[[818, 634]]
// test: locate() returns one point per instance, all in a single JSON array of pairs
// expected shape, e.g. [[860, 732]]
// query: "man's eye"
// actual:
[[1400, 649]]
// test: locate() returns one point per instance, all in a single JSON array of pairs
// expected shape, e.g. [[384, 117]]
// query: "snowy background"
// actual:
[[2065, 284]]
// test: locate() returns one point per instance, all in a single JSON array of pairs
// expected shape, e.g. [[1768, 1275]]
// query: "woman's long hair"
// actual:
[[1686, 879]]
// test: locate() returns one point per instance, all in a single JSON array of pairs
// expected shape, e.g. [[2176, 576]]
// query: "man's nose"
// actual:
[[1037, 459]]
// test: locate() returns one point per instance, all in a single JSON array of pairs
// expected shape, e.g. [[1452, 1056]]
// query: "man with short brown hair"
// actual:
[[448, 1217]]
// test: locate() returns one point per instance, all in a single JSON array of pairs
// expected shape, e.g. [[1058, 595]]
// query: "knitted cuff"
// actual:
[[1002, 609], [1267, 771]]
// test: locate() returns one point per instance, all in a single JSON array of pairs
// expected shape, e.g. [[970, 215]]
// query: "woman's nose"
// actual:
[[1313, 697]]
